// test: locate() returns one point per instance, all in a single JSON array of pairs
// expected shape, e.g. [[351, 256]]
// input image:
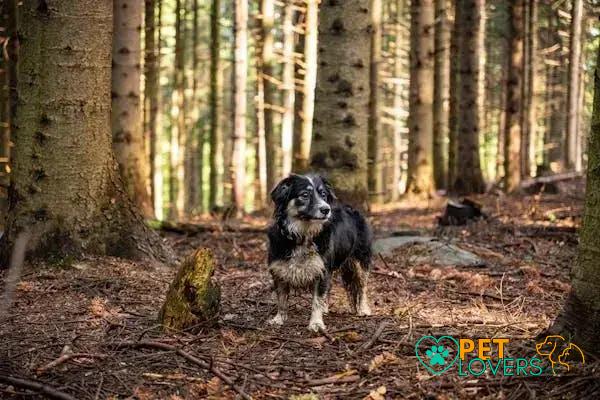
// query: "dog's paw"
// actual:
[[364, 311], [277, 320], [316, 325]]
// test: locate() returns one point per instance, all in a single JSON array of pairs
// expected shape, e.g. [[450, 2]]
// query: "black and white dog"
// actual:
[[313, 235]]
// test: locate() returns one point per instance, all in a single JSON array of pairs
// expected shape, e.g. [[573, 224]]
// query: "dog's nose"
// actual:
[[325, 210]]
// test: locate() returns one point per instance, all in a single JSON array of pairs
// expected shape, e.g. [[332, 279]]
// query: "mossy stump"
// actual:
[[193, 297]]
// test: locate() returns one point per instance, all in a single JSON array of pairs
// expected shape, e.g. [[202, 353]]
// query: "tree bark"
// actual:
[[573, 103], [66, 188], [304, 135], [441, 91], [454, 83], [375, 142], [215, 109], [273, 143], [240, 57], [532, 82], [581, 317], [469, 178], [398, 102], [420, 152], [514, 100], [289, 86], [128, 138], [339, 147]]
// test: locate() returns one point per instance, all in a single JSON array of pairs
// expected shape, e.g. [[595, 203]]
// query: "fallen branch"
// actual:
[[346, 377], [66, 355], [189, 229], [374, 338], [188, 357], [36, 386]]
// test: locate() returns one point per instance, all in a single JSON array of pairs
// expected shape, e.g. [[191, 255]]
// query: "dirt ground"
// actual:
[[100, 315]]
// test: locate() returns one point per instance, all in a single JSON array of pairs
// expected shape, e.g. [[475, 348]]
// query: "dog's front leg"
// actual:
[[319, 305], [282, 293]]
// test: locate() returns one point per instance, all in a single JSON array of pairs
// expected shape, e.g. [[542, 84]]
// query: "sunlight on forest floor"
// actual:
[[528, 244]]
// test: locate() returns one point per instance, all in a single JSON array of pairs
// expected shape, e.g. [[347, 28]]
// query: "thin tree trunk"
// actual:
[[441, 91], [273, 143], [398, 102], [260, 171], [454, 83], [152, 98], [304, 137], [581, 317], [339, 147], [240, 57], [215, 109], [194, 148], [287, 118], [514, 101], [420, 153], [375, 135], [573, 87], [128, 138], [532, 49], [66, 188], [4, 113], [524, 112], [469, 178]]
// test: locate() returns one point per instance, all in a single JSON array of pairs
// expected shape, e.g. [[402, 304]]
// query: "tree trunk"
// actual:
[[454, 83], [273, 143], [240, 57], [469, 178], [289, 86], [304, 136], [573, 103], [128, 138], [196, 132], [532, 82], [420, 152], [152, 99], [4, 114], [514, 101], [215, 109], [581, 317], [339, 147], [398, 103], [375, 135], [65, 187], [441, 92]]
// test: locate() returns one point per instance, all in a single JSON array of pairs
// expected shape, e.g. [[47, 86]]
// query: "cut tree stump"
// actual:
[[193, 296]]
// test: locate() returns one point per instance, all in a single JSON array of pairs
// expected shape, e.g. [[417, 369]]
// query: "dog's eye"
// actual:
[[323, 193], [304, 195]]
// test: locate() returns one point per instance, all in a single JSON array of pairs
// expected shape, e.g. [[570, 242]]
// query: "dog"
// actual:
[[313, 235]]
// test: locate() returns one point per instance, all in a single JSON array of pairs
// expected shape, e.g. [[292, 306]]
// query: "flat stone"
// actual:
[[429, 250]]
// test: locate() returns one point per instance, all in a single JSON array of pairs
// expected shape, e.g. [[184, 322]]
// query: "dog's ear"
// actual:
[[329, 188], [280, 193]]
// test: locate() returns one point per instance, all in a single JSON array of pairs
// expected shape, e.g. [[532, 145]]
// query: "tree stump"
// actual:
[[193, 297]]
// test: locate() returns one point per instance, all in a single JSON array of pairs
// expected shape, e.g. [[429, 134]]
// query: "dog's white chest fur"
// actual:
[[301, 270]]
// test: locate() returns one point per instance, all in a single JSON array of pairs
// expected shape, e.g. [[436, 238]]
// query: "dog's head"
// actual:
[[305, 201]]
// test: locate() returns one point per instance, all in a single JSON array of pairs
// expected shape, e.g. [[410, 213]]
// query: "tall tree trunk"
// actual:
[[581, 317], [273, 143], [441, 92], [289, 86], [128, 138], [215, 109], [573, 103], [532, 65], [339, 146], [398, 105], [469, 178], [375, 135], [65, 186], [152, 99], [240, 58], [196, 132], [260, 167], [514, 101], [454, 83], [4, 113], [420, 152], [304, 136], [524, 112]]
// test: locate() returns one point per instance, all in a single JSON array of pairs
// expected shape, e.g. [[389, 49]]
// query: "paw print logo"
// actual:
[[437, 355]]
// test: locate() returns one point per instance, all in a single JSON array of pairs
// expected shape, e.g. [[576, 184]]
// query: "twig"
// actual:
[[327, 335], [190, 358], [66, 355], [36, 386], [340, 378], [374, 338]]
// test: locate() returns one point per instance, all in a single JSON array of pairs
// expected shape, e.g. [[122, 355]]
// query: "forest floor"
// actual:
[[69, 323]]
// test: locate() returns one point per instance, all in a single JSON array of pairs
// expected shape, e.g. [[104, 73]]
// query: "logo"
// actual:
[[562, 354], [474, 357]]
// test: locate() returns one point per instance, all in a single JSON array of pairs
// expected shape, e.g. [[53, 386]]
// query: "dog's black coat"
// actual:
[[342, 240]]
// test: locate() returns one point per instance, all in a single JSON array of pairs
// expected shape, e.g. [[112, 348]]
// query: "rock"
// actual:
[[429, 250], [193, 297], [460, 213]]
